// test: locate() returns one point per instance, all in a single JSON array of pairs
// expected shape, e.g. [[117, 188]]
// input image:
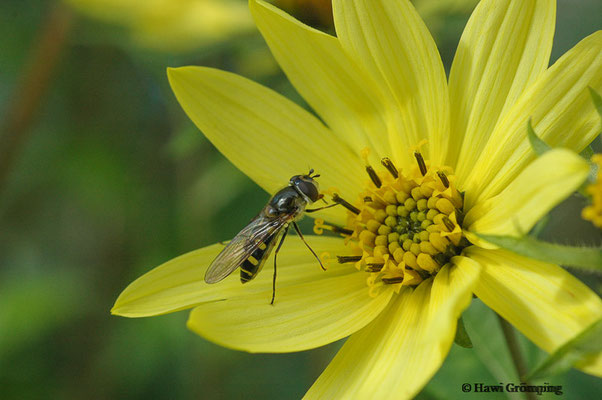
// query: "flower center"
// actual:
[[404, 227]]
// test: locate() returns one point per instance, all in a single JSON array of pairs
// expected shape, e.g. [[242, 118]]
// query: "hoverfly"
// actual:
[[251, 247]]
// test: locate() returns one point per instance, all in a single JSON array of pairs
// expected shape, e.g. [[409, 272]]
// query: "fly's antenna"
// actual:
[[311, 171]]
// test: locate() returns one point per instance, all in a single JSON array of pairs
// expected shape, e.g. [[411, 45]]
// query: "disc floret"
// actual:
[[407, 226]]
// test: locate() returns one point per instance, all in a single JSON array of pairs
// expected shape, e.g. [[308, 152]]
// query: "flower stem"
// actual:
[[33, 85], [517, 357]]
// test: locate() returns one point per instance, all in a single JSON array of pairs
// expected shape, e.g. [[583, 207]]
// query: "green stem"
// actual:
[[517, 357]]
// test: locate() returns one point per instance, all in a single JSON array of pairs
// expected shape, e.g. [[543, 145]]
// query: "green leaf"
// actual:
[[538, 145], [587, 344], [589, 258], [540, 226], [462, 339]]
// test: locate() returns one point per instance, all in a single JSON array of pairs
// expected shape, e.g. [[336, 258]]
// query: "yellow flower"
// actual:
[[593, 212], [380, 90], [172, 25]]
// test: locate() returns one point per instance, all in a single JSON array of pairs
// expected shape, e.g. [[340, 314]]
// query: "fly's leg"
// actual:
[[276, 255], [310, 249], [321, 208]]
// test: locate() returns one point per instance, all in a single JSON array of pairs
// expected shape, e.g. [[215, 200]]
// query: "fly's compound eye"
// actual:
[[309, 188]]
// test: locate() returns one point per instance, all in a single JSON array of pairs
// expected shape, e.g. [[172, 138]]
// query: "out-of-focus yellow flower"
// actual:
[[410, 257], [172, 25], [593, 212]]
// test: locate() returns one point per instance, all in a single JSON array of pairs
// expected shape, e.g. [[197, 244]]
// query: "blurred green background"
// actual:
[[102, 177]]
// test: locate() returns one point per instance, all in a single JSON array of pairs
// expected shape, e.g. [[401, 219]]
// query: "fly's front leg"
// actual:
[[310, 249], [320, 208]]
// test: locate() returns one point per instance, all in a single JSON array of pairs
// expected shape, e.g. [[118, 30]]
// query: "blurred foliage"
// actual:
[[112, 179], [317, 13]]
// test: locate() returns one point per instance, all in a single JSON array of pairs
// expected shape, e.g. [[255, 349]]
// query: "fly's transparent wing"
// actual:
[[243, 245]]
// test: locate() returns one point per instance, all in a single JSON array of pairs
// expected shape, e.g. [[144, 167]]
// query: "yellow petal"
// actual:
[[344, 96], [394, 356], [303, 316], [391, 42], [264, 134], [542, 185], [543, 301], [179, 283], [562, 112], [505, 47]]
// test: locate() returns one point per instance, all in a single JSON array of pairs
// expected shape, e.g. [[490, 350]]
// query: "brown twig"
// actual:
[[32, 87]]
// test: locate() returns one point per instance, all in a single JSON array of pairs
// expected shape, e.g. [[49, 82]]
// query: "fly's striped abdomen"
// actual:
[[253, 264]]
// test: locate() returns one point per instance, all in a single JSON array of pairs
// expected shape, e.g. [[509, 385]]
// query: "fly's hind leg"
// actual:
[[276, 255]]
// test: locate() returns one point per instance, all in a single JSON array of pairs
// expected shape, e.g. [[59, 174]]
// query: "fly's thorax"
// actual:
[[404, 227], [286, 201]]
